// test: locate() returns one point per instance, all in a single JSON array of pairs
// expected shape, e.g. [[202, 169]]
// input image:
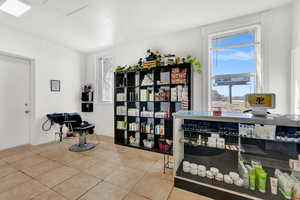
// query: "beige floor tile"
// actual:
[[93, 152], [53, 153], [61, 155], [132, 196], [83, 163], [107, 146], [138, 163], [12, 180], [105, 191], [56, 176], [99, 152], [102, 170], [49, 195], [14, 150], [70, 140], [106, 139], [68, 157], [28, 162], [18, 156], [125, 177], [6, 170], [151, 155], [153, 187], [41, 168], [2, 163], [49, 147], [158, 170], [76, 186], [178, 194], [24, 191]]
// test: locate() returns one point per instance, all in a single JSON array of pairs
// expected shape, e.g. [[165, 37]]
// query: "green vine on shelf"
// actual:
[[197, 65], [151, 55]]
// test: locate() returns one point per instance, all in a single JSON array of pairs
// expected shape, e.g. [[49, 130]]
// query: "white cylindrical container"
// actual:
[[186, 166], [214, 170], [194, 169], [238, 182], [228, 179], [234, 176], [209, 175], [219, 177]]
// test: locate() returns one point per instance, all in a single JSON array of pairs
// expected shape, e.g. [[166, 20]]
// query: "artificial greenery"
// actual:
[[151, 55], [197, 65], [119, 69]]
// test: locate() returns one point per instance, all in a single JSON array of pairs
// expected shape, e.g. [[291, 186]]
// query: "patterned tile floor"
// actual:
[[108, 172]]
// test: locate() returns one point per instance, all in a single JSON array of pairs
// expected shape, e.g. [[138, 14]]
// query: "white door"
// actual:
[[14, 100]]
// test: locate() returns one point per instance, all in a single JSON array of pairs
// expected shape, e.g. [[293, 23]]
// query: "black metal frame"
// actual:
[[52, 83]]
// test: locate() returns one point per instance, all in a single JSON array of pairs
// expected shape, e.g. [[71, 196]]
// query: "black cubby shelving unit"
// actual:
[[130, 84], [87, 101]]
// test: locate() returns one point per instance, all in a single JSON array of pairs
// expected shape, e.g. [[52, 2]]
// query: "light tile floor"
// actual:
[[108, 172]]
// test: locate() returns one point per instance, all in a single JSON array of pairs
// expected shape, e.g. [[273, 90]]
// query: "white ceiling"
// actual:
[[102, 23]]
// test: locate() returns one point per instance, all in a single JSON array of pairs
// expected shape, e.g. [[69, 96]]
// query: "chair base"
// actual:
[[84, 147]]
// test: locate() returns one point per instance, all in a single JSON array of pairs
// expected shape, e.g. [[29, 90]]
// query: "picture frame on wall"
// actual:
[[55, 85]]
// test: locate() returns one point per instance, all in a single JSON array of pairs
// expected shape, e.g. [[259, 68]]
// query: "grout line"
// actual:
[[169, 195], [90, 189]]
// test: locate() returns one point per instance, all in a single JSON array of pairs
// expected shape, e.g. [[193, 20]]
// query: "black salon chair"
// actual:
[[73, 120], [83, 128]]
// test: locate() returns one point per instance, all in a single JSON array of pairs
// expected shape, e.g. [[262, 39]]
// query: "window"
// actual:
[[105, 80], [234, 59]]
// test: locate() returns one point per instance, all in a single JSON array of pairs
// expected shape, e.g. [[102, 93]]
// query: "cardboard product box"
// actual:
[[174, 94], [150, 64]]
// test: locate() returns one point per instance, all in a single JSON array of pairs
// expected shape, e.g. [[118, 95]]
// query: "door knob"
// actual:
[[26, 111]]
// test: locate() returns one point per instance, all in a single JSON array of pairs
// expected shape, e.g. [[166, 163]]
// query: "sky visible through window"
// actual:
[[235, 60]]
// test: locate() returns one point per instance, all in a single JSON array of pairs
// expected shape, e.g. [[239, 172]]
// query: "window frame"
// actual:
[[258, 55], [99, 80]]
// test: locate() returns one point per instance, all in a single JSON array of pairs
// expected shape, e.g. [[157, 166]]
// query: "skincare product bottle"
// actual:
[[252, 179], [261, 179], [274, 183]]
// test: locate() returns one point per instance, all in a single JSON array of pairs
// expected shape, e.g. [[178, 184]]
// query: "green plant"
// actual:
[[197, 65], [140, 63], [119, 69]]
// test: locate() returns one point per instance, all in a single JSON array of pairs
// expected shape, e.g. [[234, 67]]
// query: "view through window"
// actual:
[[233, 64]]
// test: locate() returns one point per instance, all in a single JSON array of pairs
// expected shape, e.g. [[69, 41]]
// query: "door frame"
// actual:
[[31, 84]]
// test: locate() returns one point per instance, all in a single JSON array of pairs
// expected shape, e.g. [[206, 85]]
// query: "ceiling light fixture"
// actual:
[[14, 7]]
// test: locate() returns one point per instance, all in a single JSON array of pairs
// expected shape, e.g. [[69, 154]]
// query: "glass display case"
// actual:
[[237, 156]]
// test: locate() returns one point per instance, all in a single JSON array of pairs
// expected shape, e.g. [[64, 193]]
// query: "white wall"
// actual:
[[276, 27], [296, 23], [276, 31], [52, 61], [182, 43]]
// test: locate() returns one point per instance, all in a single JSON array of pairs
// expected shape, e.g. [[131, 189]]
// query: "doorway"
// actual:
[[14, 101]]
